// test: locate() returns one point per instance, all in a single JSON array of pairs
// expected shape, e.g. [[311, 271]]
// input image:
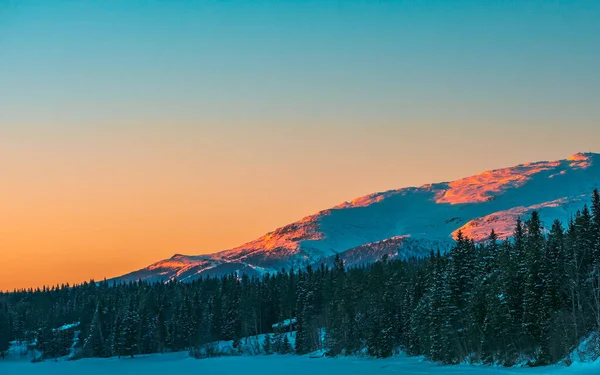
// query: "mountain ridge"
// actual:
[[402, 222]]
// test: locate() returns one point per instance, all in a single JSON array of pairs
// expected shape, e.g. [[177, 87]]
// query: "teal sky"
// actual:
[[274, 63], [133, 130]]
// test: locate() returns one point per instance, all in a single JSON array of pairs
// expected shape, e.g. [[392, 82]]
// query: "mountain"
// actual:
[[404, 222]]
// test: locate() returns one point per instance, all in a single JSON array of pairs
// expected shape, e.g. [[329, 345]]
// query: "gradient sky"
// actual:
[[133, 130]]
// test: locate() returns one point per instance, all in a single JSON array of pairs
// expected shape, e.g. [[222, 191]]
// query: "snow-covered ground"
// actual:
[[181, 363], [18, 362]]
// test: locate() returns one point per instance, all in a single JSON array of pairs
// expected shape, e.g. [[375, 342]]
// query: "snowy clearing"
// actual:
[[275, 364]]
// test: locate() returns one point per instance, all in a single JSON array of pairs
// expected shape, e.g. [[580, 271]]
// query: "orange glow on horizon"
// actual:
[[80, 206]]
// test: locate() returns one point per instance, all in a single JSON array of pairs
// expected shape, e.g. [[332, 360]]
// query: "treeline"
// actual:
[[534, 296]]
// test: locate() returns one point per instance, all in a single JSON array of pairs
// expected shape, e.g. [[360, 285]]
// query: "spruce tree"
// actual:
[[517, 270], [94, 345], [461, 275], [336, 323], [475, 301], [5, 332], [595, 274], [596, 224], [44, 342], [499, 332], [533, 289], [302, 339], [437, 312], [129, 338], [286, 347], [268, 344]]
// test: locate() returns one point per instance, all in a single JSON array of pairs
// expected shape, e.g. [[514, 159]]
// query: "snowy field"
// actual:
[[180, 363]]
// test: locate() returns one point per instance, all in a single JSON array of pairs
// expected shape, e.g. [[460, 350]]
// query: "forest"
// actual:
[[535, 295]]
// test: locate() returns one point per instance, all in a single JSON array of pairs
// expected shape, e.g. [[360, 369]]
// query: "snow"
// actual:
[[18, 362], [18, 351], [68, 326], [181, 363], [250, 346], [415, 219], [285, 323], [588, 350], [504, 221]]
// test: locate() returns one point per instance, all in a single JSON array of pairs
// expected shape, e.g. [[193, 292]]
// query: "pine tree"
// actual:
[[5, 331], [596, 225], [231, 309], [94, 345], [499, 333], [129, 339], [475, 301], [533, 289], [335, 331], [555, 267], [307, 336], [115, 340], [517, 270], [268, 344], [148, 339], [482, 299], [461, 274], [553, 272], [286, 347], [595, 275], [437, 310], [573, 285], [44, 341]]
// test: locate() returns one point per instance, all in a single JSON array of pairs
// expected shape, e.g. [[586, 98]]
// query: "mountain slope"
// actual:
[[404, 222]]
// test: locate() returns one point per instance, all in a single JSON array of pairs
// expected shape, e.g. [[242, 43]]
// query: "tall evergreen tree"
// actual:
[[533, 289], [438, 311], [5, 331], [595, 274], [129, 335], [533, 294], [460, 282]]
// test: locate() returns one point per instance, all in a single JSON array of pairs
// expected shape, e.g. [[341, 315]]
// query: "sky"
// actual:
[[134, 130]]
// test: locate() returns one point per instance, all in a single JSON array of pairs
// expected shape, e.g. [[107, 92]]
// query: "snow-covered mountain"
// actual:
[[404, 222]]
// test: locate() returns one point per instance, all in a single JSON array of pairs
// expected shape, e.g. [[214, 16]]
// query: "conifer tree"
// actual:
[[286, 347], [44, 341], [461, 273], [337, 324], [128, 341], [94, 345], [475, 301], [5, 332], [268, 344], [517, 271], [499, 334], [534, 245], [437, 311], [596, 224], [302, 340]]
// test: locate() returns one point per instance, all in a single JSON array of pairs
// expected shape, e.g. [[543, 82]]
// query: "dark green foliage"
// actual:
[[5, 331], [337, 321], [532, 307], [268, 344], [536, 294], [286, 347], [129, 334]]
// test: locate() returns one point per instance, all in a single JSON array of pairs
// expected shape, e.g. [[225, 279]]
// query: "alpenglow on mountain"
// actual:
[[403, 223]]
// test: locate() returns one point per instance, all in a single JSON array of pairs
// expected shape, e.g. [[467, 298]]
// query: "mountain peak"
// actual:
[[582, 156], [404, 222], [487, 185]]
